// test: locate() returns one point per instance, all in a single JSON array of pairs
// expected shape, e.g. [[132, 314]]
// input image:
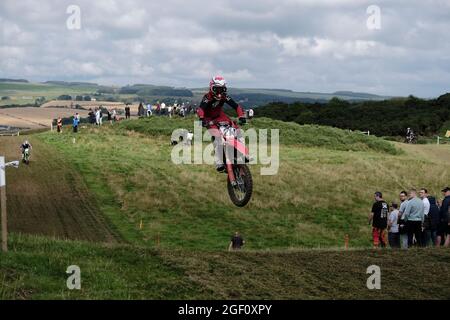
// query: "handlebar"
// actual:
[[221, 123]]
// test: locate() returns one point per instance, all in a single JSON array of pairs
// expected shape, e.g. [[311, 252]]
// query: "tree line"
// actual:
[[382, 118]]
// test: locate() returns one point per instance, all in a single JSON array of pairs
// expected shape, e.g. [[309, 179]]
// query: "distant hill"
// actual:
[[64, 83], [22, 91], [252, 97], [13, 80], [359, 95], [151, 90]]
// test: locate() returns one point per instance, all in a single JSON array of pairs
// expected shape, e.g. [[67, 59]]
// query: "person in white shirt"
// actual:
[[401, 220], [423, 194], [250, 113], [149, 110], [97, 117], [393, 235]]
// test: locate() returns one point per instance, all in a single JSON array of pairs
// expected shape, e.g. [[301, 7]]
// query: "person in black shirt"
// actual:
[[378, 219], [236, 242], [444, 219]]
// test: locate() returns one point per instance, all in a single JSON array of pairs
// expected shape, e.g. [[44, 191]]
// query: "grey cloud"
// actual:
[[302, 45]]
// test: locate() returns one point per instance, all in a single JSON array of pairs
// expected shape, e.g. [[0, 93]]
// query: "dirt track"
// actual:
[[48, 197]]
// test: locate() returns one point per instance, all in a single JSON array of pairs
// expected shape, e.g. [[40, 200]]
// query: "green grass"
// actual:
[[320, 194], [294, 225], [35, 268]]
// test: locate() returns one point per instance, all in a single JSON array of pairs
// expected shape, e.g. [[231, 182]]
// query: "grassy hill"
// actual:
[[323, 189], [168, 226]]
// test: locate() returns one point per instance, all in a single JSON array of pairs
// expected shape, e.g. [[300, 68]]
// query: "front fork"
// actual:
[[240, 148], [231, 175]]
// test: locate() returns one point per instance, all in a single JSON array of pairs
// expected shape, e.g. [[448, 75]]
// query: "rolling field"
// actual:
[[169, 226], [35, 118], [27, 93]]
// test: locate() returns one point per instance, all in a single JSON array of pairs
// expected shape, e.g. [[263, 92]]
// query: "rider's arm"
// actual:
[[236, 106], [201, 108]]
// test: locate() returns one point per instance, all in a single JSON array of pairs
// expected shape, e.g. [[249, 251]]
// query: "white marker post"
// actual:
[[4, 219], [3, 205]]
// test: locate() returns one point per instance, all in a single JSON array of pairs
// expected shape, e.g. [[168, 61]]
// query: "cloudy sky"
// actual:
[[303, 45]]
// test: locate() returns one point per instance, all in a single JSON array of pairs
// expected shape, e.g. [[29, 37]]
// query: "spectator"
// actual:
[[431, 223], [97, 117], [76, 121], [403, 231], [444, 218], [423, 194], [127, 112], [414, 218], [59, 125], [169, 111], [114, 115], [378, 218], [393, 235], [149, 110], [163, 108], [140, 110], [236, 242], [100, 116], [250, 113], [109, 116], [91, 116]]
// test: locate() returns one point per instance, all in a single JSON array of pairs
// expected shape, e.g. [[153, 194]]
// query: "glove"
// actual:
[[242, 121]]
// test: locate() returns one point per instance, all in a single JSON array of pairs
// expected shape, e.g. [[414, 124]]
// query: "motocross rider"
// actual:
[[211, 109]]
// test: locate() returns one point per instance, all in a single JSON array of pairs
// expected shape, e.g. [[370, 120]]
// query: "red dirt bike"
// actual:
[[235, 157]]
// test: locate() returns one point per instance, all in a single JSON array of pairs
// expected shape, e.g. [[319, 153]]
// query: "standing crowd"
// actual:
[[420, 220], [161, 109]]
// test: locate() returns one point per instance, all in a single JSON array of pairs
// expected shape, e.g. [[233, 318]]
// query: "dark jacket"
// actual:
[[431, 221], [444, 212]]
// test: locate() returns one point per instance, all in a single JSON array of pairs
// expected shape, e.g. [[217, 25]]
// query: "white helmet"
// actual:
[[218, 87]]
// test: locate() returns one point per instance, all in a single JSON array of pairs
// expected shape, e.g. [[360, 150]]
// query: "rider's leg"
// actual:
[[218, 154], [218, 148]]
